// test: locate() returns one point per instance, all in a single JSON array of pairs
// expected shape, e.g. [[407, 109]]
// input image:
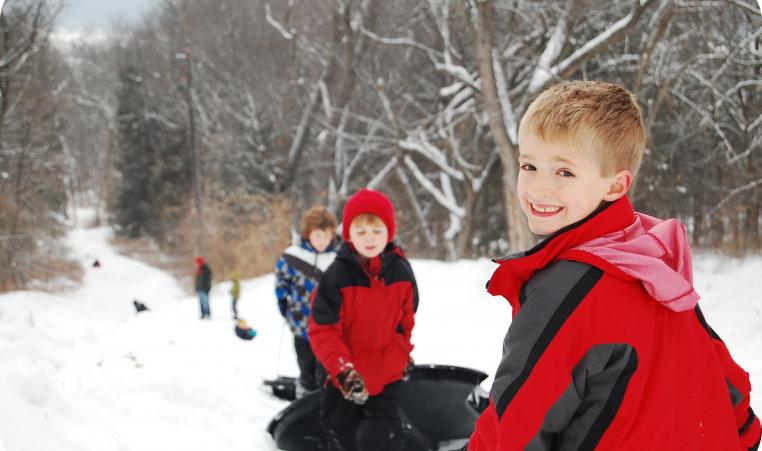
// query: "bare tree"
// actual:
[[32, 159]]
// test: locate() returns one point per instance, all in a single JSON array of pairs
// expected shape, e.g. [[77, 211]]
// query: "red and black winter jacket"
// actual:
[[608, 348], [363, 318]]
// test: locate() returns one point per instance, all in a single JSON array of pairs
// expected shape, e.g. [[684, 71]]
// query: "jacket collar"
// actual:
[[514, 270], [305, 244], [391, 252]]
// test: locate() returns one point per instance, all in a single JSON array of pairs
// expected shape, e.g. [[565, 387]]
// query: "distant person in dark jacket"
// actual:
[[203, 286], [296, 274]]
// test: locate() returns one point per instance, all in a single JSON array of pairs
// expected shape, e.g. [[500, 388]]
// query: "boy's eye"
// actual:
[[565, 173], [527, 167]]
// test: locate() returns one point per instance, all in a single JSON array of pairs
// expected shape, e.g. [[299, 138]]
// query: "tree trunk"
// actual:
[[698, 228], [519, 235], [104, 185], [416, 207], [736, 231], [752, 228], [463, 245]]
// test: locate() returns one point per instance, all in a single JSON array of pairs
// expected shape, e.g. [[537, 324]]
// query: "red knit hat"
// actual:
[[200, 261], [368, 201]]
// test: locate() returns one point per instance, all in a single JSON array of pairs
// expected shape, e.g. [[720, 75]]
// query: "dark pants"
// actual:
[[235, 308], [307, 362], [373, 426]]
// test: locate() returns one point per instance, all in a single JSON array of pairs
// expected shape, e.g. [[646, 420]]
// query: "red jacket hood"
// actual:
[[622, 243]]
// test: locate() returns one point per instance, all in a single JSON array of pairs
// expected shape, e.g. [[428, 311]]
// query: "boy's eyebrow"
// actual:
[[563, 160], [557, 158]]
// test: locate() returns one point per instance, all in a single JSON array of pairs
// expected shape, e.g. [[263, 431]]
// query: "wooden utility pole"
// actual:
[[195, 163]]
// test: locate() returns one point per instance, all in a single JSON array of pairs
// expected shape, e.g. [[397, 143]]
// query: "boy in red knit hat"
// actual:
[[360, 328]]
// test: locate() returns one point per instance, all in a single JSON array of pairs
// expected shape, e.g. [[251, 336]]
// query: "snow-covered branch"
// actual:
[[553, 49], [746, 6], [589, 49], [419, 143], [730, 152], [381, 175], [417, 209], [163, 120], [440, 197], [400, 41], [509, 116], [734, 192], [454, 228], [462, 74], [277, 25]]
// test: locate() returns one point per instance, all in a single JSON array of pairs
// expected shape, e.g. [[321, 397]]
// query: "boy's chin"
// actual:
[[545, 230], [543, 233]]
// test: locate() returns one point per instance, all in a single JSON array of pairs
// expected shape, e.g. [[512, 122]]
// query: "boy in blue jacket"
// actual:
[[296, 275]]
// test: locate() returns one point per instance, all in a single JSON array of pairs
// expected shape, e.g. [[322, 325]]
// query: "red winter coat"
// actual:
[[363, 319], [608, 349]]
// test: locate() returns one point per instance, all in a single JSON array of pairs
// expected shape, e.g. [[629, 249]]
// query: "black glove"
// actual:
[[352, 385]]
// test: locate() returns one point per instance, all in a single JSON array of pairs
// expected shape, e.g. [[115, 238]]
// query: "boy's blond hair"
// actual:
[[317, 218], [367, 219], [590, 114]]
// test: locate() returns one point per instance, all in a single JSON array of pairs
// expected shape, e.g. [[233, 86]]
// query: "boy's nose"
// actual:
[[541, 189]]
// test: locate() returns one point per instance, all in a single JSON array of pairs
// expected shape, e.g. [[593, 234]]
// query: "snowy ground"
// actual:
[[81, 371]]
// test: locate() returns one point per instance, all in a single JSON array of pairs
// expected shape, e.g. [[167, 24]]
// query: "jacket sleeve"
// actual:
[[325, 330], [739, 388], [409, 307], [548, 372], [207, 279], [283, 283]]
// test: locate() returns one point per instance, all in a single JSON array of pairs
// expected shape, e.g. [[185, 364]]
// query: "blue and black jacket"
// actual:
[[296, 274]]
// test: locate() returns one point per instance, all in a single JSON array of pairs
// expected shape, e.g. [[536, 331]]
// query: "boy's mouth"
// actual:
[[544, 210]]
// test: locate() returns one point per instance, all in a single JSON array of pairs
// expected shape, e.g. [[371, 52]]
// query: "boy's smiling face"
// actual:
[[559, 185]]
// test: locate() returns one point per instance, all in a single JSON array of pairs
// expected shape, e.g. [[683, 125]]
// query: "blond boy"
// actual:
[[608, 348]]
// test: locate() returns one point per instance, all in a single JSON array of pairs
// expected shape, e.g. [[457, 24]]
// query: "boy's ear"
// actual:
[[620, 184]]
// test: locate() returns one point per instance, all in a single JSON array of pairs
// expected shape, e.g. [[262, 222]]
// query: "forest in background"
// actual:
[[211, 126]]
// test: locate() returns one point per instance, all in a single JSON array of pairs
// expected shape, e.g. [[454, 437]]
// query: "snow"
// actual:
[[80, 370]]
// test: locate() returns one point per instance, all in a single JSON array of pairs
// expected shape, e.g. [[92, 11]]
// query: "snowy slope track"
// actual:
[[80, 370]]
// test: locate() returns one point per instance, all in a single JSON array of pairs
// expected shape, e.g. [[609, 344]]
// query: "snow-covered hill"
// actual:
[[81, 371]]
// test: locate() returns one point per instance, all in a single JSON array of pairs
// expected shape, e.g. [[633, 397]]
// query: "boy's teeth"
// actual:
[[546, 209]]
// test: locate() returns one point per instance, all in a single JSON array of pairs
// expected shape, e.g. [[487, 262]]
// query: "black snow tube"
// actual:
[[439, 405], [283, 387]]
